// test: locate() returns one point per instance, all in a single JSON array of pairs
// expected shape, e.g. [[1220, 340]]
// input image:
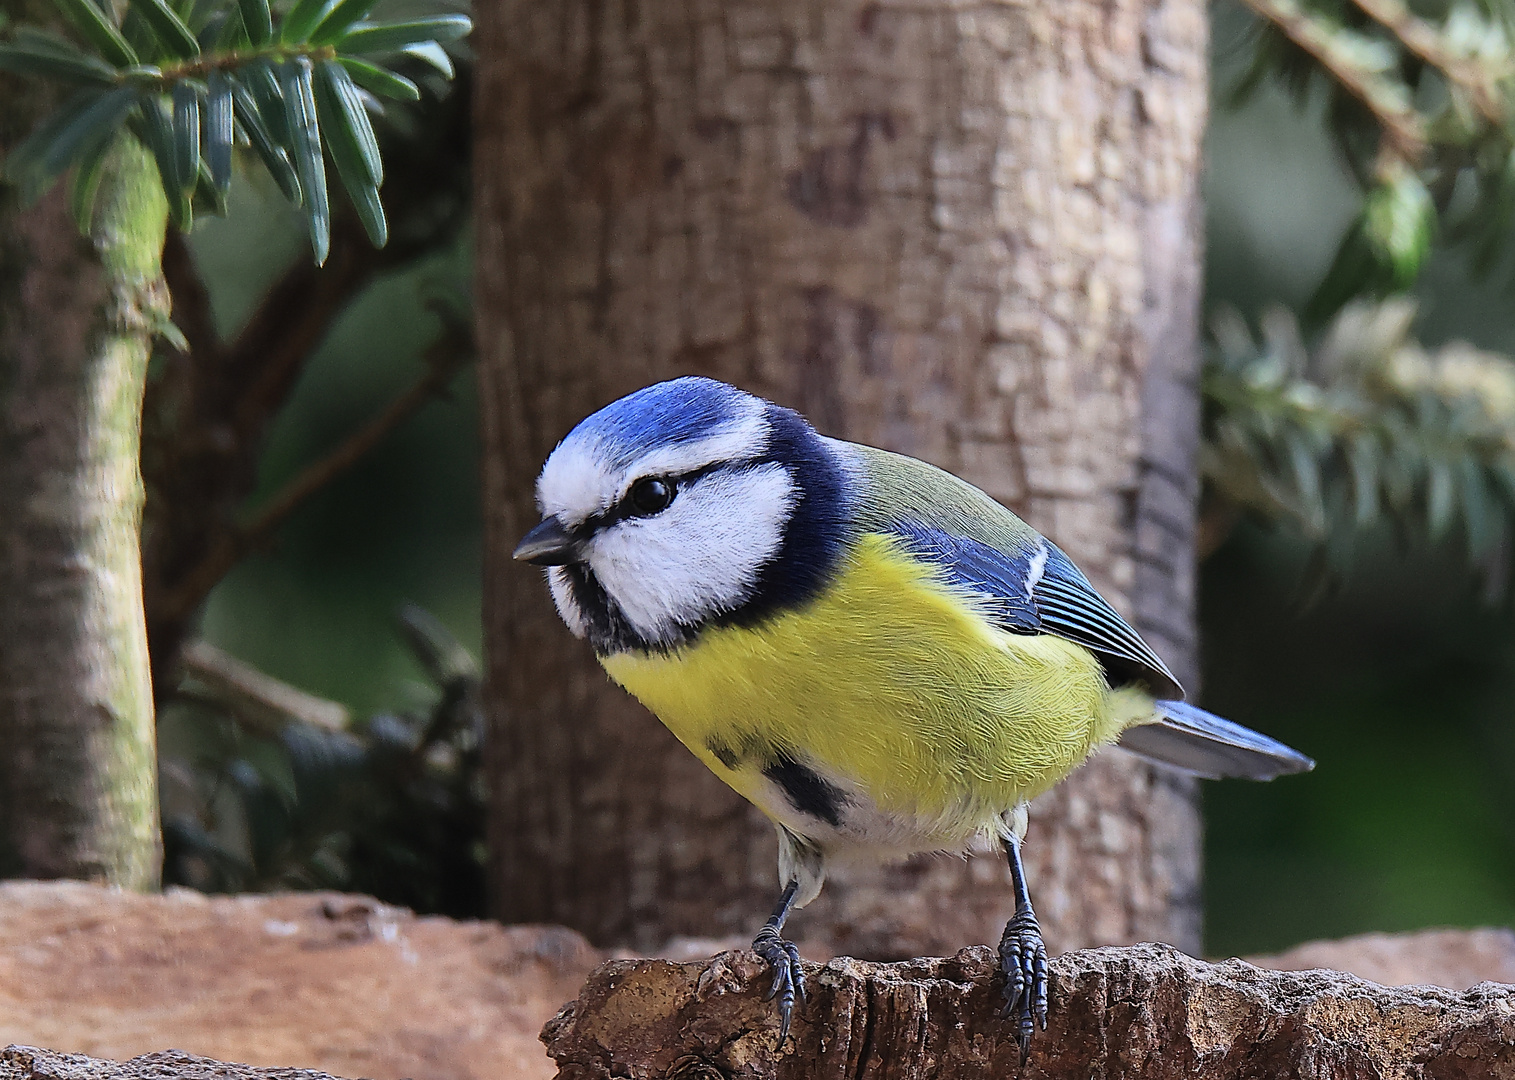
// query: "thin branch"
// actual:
[[1422, 39], [1401, 124], [261, 701], [192, 312], [443, 360], [295, 314], [321, 473]]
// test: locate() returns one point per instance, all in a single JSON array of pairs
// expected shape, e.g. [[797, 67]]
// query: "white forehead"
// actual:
[[590, 472]]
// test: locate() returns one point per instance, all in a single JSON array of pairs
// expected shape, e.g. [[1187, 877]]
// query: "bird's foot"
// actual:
[[1023, 957], [788, 981]]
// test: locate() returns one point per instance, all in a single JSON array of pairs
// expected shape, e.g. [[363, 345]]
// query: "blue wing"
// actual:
[[1038, 590]]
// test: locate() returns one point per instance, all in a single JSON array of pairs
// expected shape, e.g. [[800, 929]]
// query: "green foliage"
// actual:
[[195, 80], [1422, 104], [1368, 425], [257, 797]]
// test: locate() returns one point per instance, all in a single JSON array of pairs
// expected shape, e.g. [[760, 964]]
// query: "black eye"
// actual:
[[651, 496]]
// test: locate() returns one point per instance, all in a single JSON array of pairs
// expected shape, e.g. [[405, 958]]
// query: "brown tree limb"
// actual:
[[192, 312], [1423, 39], [1401, 124], [209, 410], [265, 704], [1144, 1011], [443, 360]]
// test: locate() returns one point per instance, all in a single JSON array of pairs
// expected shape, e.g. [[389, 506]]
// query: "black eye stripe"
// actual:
[[624, 508]]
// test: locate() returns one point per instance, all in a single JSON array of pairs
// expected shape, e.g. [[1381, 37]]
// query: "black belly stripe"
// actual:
[[807, 791]]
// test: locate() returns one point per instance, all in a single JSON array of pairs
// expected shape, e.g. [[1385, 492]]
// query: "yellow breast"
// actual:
[[891, 680]]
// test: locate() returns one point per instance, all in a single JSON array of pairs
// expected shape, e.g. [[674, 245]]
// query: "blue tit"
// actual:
[[874, 652]]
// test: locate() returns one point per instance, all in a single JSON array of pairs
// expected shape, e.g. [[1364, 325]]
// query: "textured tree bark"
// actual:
[[32, 1063], [962, 231], [78, 769], [1143, 1011]]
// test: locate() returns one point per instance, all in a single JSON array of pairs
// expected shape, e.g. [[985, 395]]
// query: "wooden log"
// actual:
[[32, 1063], [1142, 1011]]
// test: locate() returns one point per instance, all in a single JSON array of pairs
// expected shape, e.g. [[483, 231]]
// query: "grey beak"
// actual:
[[548, 545]]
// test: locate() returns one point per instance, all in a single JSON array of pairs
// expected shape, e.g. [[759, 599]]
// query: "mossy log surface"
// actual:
[[1143, 1011]]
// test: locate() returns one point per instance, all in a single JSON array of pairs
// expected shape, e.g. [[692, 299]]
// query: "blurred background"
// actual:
[[1394, 667]]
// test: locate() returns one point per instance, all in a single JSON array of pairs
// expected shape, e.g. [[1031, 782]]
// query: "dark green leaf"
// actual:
[[345, 104], [275, 158], [144, 77], [98, 29], [340, 19], [431, 53], [1353, 272], [305, 130], [353, 148], [1398, 218], [219, 113], [304, 17], [157, 132], [1504, 476], [85, 184], [34, 53], [218, 30], [1478, 510], [198, 14], [381, 81], [258, 21], [1363, 456], [385, 38], [168, 28], [186, 136], [1440, 502], [139, 34], [206, 193], [268, 91], [84, 130], [232, 36], [1306, 476]]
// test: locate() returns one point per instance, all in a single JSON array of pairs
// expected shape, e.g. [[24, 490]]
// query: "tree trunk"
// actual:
[[78, 770], [967, 233]]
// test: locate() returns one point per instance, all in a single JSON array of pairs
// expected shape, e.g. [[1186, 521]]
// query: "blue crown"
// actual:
[[663, 414]]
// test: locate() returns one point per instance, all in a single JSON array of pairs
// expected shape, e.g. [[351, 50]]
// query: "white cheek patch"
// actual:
[[701, 557], [562, 597]]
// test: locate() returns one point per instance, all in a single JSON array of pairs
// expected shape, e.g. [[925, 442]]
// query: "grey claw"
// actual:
[[1023, 958], [788, 980]]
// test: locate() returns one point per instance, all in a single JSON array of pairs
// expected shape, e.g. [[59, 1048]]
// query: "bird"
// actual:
[[876, 653]]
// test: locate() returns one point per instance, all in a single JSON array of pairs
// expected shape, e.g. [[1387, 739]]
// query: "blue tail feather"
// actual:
[[1189, 738]]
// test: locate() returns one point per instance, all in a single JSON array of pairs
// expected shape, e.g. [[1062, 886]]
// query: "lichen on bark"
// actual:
[[78, 770]]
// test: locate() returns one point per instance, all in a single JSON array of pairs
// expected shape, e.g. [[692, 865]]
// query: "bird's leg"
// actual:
[[784, 958], [1023, 956]]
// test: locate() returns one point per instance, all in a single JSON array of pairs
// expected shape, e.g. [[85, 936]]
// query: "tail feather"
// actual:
[[1204, 744]]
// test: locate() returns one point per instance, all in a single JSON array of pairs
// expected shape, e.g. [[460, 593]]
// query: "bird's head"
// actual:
[[685, 503]]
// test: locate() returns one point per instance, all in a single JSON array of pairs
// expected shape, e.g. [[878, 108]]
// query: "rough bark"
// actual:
[[32, 1063], [78, 771], [1144, 1011], [962, 231]]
